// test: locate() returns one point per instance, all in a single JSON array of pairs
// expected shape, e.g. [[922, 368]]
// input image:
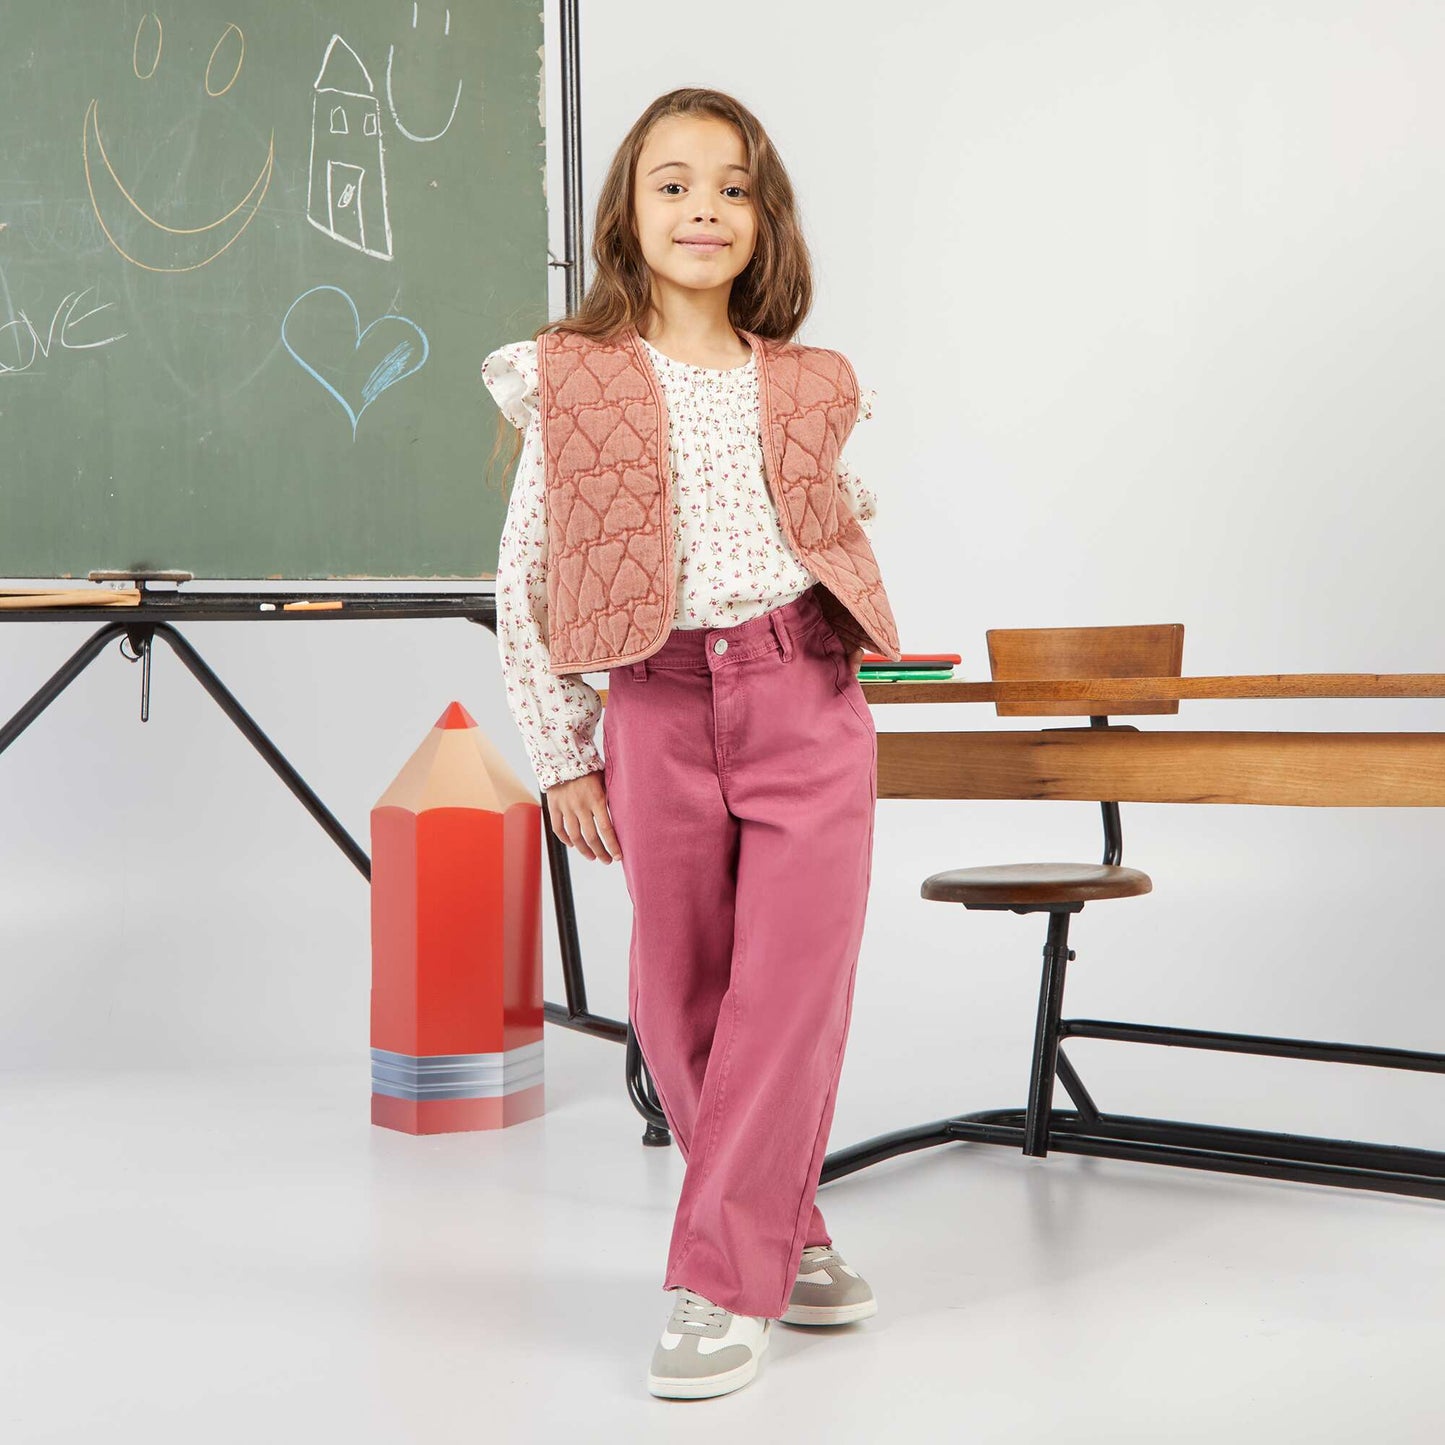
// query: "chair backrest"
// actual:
[[1039, 653], [1046, 653]]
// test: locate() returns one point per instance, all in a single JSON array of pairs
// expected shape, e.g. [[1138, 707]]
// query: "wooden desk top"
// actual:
[[1163, 689]]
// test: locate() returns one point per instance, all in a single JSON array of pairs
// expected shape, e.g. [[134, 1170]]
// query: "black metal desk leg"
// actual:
[[1057, 954]]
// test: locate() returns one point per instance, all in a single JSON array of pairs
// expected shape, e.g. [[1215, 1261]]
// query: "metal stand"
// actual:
[[1085, 1129], [137, 631]]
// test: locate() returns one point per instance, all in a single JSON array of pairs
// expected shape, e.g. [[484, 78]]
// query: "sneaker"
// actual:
[[705, 1350], [828, 1291]]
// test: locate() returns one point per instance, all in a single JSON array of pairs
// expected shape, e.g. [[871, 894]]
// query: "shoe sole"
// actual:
[[829, 1314], [668, 1388]]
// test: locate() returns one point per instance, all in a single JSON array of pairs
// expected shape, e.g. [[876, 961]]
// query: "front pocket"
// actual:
[[848, 686]]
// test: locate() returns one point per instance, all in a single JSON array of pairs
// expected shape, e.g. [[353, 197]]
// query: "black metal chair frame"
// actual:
[[1086, 1129]]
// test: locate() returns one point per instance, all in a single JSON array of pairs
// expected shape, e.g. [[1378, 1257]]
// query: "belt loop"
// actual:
[[639, 670], [780, 628]]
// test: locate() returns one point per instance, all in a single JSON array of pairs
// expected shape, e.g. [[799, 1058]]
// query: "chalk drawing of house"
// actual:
[[346, 190]]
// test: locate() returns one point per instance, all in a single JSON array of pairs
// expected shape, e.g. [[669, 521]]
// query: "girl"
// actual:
[[681, 518]]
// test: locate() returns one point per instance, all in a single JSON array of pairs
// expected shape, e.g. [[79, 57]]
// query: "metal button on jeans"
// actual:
[[721, 645]]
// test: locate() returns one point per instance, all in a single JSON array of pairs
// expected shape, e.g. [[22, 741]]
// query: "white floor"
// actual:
[[240, 1256]]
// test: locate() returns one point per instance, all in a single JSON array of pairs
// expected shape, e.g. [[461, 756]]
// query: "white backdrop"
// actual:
[[1152, 299]]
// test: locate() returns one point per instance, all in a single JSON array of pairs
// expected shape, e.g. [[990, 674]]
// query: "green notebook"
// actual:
[[912, 674]]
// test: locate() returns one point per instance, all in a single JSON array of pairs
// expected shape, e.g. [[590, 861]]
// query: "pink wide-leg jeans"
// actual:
[[741, 775]]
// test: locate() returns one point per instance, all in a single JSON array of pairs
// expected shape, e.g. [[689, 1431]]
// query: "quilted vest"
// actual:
[[611, 553]]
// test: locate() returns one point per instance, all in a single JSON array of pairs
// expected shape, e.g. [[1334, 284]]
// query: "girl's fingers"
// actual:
[[591, 835], [591, 844], [587, 830], [568, 827], [582, 834], [609, 838], [597, 828]]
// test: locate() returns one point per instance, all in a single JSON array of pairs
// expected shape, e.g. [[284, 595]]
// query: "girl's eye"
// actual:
[[666, 184]]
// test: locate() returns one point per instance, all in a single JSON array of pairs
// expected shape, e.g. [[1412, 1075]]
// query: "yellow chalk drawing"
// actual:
[[240, 60], [135, 48], [245, 209]]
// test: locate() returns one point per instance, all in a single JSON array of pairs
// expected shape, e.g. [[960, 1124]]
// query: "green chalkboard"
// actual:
[[252, 253]]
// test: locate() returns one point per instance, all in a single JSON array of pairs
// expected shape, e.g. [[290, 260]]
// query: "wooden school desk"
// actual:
[[1111, 763]]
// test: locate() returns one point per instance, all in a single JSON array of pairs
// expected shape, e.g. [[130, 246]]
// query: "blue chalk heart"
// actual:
[[363, 368]]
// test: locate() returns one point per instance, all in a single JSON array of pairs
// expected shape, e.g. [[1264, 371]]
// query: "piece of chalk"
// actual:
[[268, 607], [310, 606]]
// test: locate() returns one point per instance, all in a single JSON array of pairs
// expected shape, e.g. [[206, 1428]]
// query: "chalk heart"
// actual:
[[322, 330]]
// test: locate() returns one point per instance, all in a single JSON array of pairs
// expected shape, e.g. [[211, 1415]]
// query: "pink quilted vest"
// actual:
[[611, 554]]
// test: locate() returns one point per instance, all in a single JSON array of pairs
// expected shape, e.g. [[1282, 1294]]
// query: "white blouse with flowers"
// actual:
[[733, 562]]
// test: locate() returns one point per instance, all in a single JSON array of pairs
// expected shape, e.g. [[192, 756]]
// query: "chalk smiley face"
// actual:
[[430, 60], [142, 238]]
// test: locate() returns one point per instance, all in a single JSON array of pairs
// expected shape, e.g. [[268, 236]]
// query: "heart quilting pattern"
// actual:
[[322, 330]]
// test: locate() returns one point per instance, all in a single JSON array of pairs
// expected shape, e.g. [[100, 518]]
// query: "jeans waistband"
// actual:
[[696, 649]]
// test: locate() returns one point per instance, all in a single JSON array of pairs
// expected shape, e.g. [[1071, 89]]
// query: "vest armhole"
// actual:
[[853, 378], [544, 407]]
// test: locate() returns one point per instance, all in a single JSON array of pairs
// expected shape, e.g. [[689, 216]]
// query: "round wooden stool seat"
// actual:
[[1035, 883]]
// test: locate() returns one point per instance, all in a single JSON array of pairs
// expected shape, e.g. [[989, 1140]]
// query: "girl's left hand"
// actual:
[[855, 659]]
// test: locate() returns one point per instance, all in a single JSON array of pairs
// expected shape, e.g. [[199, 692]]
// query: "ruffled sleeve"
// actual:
[[557, 716], [510, 374], [859, 496]]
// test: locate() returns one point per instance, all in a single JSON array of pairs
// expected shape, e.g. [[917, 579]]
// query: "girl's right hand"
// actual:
[[578, 809]]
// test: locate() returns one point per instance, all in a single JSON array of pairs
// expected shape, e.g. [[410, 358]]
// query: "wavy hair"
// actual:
[[771, 296]]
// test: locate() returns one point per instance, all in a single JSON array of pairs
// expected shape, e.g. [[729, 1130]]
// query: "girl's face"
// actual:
[[692, 181]]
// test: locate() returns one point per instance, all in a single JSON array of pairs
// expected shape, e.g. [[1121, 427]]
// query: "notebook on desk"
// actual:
[[914, 667]]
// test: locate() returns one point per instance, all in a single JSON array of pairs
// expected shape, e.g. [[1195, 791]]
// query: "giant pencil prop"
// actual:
[[456, 939]]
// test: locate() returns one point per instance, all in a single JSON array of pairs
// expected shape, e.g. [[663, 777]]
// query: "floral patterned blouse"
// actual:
[[733, 562]]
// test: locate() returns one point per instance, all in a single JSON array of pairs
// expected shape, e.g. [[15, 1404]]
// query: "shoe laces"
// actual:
[[691, 1308], [817, 1253]]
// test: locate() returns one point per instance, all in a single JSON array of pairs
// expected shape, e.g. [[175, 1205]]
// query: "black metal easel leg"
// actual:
[[46, 694], [141, 636], [243, 720], [574, 1014], [1046, 1035]]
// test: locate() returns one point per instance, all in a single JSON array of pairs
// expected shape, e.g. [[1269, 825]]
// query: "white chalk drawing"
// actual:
[[391, 98], [346, 187], [22, 328], [346, 191], [340, 356]]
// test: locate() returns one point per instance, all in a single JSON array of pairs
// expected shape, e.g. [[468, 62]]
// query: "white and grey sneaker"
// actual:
[[706, 1350], [828, 1291]]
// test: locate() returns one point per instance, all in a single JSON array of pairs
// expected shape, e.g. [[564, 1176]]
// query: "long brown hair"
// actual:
[[770, 297]]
